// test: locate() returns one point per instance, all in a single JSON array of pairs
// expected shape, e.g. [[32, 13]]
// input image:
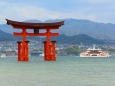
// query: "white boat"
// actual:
[[94, 52]]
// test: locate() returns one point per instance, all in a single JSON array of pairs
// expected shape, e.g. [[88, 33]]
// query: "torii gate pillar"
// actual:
[[23, 51], [49, 51]]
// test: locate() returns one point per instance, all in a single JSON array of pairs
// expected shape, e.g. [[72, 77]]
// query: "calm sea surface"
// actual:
[[66, 71]]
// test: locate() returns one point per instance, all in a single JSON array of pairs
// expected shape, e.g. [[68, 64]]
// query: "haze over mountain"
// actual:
[[61, 39], [93, 29], [77, 26], [77, 39], [6, 36]]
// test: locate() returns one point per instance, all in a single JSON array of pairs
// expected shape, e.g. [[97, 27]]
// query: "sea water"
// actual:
[[66, 71]]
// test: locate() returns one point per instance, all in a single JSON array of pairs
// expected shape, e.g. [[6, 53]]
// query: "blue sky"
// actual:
[[21, 10]]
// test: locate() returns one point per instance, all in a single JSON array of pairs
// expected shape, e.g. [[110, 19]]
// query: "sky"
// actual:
[[94, 10]]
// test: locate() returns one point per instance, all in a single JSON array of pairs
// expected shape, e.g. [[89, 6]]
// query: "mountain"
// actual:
[[94, 29], [77, 39], [61, 39], [6, 36], [73, 27], [8, 29], [33, 20]]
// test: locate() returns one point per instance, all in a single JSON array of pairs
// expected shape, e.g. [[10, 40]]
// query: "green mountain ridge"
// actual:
[[61, 39], [73, 27], [77, 39], [6, 36]]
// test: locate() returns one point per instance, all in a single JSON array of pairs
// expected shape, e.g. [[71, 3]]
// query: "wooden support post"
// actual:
[[23, 44], [19, 50], [26, 51], [45, 52], [53, 50], [48, 49]]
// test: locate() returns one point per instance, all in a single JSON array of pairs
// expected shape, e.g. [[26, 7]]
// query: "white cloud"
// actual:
[[23, 12], [98, 1]]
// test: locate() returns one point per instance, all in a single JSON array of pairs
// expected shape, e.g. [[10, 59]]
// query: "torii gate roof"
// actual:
[[26, 25]]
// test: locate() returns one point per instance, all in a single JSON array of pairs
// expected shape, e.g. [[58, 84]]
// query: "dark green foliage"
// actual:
[[61, 39], [6, 36], [77, 39], [73, 50]]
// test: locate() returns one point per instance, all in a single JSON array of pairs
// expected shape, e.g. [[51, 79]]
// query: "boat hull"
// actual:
[[95, 56]]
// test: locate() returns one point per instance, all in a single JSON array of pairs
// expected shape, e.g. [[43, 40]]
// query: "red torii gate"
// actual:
[[49, 49]]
